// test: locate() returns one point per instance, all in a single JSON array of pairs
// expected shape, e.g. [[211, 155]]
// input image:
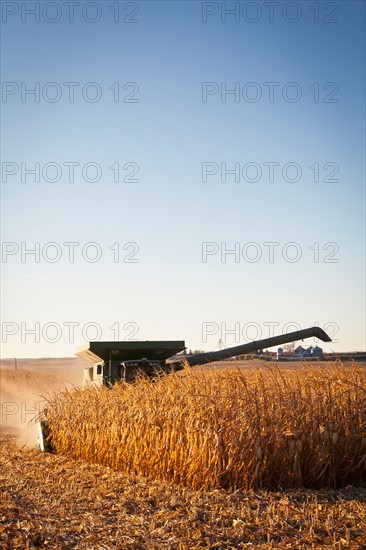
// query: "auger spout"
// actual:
[[259, 345]]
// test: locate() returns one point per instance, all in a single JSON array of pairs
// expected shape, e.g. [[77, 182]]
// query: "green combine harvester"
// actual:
[[116, 361]]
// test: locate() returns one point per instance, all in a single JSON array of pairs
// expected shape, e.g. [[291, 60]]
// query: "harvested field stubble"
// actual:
[[57, 503], [230, 429]]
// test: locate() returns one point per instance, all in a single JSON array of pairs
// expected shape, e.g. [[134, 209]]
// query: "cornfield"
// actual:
[[233, 429]]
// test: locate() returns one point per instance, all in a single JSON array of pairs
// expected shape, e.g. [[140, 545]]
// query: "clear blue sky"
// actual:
[[169, 52]]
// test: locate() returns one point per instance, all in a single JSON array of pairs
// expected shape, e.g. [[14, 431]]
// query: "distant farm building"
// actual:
[[300, 351]]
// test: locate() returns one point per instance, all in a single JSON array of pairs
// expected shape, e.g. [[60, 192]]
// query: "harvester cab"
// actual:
[[116, 361]]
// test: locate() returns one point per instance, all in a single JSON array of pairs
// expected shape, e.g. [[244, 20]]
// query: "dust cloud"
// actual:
[[24, 390]]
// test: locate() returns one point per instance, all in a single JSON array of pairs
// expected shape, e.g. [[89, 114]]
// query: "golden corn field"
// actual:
[[232, 429]]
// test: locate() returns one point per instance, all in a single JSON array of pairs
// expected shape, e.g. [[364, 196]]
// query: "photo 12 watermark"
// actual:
[[70, 171], [69, 252], [71, 332], [270, 12], [20, 412], [238, 332], [269, 252], [269, 92], [269, 172], [73, 92], [116, 11]]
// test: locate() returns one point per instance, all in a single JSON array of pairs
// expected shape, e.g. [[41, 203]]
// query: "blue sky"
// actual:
[[170, 293]]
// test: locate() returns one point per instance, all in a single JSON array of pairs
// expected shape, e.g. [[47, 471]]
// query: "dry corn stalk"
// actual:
[[230, 428]]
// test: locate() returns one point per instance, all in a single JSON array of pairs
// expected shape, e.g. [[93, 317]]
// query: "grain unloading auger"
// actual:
[[115, 361]]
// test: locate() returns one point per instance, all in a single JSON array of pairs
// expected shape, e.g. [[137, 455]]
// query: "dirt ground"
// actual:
[[54, 502]]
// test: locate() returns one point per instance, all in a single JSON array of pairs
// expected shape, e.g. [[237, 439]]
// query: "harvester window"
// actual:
[[99, 369]]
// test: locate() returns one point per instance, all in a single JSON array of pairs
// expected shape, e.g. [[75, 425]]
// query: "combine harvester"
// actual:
[[116, 361], [124, 361]]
